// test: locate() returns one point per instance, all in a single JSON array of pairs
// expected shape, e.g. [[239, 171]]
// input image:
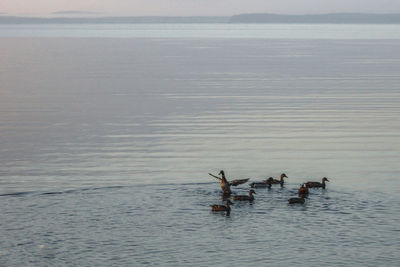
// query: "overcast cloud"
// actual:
[[196, 7]]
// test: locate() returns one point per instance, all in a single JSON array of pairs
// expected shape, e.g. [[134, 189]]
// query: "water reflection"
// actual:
[[111, 155]]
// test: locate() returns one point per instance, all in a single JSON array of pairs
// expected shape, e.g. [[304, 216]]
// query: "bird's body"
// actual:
[[270, 180], [260, 185], [225, 186], [238, 182], [280, 181], [318, 184], [226, 208], [220, 208], [263, 184], [275, 181], [303, 190], [250, 197], [296, 200]]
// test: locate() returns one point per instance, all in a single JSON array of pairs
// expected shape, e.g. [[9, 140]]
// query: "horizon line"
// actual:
[[59, 14]]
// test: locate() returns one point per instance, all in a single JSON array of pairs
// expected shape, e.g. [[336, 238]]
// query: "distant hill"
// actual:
[[107, 20], [336, 18], [355, 18]]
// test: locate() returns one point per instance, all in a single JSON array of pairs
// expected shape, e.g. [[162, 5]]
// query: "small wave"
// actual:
[[70, 191], [79, 190], [16, 194]]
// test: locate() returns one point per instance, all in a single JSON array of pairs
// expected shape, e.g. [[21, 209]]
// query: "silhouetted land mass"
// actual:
[[355, 18], [108, 20]]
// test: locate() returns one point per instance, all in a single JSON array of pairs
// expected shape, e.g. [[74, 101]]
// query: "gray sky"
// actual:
[[194, 7]]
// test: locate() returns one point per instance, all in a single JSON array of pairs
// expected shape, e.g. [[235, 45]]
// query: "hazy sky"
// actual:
[[196, 7]]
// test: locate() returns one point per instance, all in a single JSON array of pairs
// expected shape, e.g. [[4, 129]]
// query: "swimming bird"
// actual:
[[296, 200], [260, 185], [280, 181], [226, 208], [226, 188], [303, 190], [250, 197], [263, 184], [238, 182], [317, 184]]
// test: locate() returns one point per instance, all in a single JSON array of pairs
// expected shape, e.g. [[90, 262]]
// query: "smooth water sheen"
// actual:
[[106, 145], [206, 30]]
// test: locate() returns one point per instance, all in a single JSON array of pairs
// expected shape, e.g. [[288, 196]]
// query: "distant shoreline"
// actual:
[[334, 18], [112, 20]]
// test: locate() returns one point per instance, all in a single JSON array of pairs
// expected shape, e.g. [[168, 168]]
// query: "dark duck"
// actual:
[[226, 208], [296, 200], [318, 184], [280, 181], [250, 197], [266, 183], [303, 191], [225, 186], [238, 182]]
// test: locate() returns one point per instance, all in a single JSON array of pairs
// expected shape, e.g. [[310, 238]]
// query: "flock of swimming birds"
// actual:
[[226, 190]]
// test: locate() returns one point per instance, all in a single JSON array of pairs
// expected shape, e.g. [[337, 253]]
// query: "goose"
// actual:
[[250, 197], [226, 208], [317, 184]]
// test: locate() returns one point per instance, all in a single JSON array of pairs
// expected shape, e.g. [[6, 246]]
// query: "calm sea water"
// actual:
[[106, 144], [176, 30]]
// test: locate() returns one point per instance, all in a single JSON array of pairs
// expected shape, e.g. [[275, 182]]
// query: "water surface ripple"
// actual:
[[106, 145], [172, 224]]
